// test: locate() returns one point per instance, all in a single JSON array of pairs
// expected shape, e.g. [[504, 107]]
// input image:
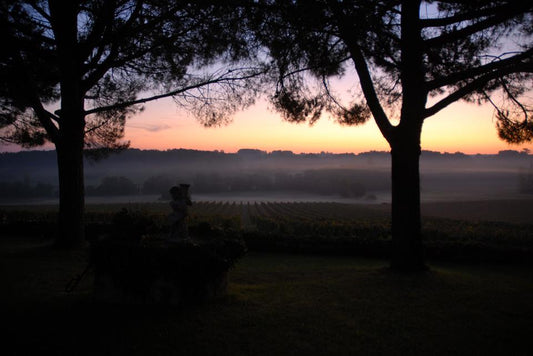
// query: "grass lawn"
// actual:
[[276, 305]]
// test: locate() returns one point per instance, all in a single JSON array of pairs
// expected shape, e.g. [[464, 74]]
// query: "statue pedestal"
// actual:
[[162, 273]]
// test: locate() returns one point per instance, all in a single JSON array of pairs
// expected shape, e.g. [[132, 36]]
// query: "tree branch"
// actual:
[[40, 11], [99, 70], [330, 95], [513, 98], [45, 117], [220, 79], [365, 79], [100, 30], [446, 21], [369, 92], [96, 127], [114, 60], [474, 85], [473, 72], [498, 18]]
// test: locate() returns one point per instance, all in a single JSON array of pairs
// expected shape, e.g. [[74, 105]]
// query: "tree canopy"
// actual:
[[123, 53], [477, 51]]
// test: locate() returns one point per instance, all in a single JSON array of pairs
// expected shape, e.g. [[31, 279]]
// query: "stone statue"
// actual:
[[181, 199]]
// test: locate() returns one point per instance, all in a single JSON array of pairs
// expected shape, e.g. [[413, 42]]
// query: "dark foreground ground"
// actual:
[[276, 305]]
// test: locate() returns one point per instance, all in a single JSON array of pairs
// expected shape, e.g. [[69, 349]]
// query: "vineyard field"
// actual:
[[308, 227]]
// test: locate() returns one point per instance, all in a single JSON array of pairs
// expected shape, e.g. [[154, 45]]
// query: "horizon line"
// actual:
[[524, 151]]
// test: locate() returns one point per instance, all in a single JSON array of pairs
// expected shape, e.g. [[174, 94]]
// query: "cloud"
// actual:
[[150, 127]]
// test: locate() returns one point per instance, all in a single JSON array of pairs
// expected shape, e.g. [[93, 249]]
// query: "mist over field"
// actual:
[[253, 175]]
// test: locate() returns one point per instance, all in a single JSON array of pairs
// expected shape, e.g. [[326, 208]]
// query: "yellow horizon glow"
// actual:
[[461, 127]]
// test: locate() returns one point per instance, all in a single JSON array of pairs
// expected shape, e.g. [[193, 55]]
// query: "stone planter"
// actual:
[[162, 273]]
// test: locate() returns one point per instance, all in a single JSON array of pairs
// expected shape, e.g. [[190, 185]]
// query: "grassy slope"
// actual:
[[277, 305]]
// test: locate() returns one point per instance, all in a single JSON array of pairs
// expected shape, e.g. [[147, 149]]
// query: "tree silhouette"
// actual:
[[411, 59], [72, 72]]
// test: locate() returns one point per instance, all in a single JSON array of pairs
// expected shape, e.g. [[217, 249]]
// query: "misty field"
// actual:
[[314, 282]]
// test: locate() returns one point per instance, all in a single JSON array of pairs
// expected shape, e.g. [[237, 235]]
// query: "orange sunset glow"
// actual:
[[461, 127]]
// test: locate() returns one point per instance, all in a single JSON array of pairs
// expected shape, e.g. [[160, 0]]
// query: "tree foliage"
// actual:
[[126, 53], [477, 51]]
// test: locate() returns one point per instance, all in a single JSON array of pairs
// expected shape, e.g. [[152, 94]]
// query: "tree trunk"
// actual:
[[69, 144], [407, 252], [70, 230]]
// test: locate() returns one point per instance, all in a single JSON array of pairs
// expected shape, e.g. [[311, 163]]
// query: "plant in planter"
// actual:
[[148, 269]]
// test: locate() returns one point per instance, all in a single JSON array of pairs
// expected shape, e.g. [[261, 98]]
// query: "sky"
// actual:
[[461, 127]]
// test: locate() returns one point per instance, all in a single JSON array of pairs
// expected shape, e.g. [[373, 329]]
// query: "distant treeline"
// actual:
[[341, 182], [44, 159], [25, 190]]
